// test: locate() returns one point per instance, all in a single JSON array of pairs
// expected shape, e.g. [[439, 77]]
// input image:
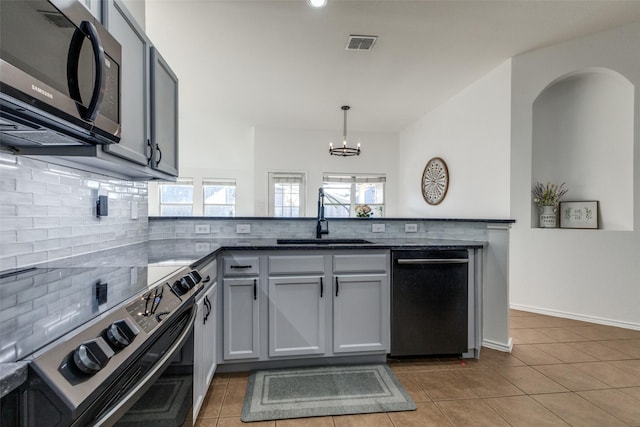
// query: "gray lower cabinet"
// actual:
[[241, 308], [360, 313], [205, 334], [309, 301], [361, 307], [205, 346], [297, 315]]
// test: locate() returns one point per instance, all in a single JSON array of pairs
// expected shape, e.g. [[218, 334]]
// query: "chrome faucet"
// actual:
[[322, 225]]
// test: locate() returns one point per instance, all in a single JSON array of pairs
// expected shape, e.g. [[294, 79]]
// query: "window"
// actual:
[[219, 197], [176, 199], [286, 194], [344, 192]]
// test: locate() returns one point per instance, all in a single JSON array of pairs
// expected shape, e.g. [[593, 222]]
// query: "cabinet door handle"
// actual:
[[206, 313], [207, 280], [150, 156], [241, 266], [419, 261], [337, 286], [321, 288], [255, 289], [208, 303], [159, 152]]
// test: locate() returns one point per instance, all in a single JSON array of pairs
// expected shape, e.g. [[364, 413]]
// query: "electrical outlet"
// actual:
[[134, 210], [243, 228], [202, 229], [203, 246], [377, 228], [411, 228]]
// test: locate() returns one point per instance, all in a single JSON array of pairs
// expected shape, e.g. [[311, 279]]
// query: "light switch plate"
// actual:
[[203, 229], [243, 228], [377, 228], [411, 228]]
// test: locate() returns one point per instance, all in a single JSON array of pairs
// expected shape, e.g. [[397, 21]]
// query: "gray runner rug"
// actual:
[[314, 392]]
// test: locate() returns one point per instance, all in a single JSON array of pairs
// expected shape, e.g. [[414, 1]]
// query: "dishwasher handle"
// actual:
[[421, 261]]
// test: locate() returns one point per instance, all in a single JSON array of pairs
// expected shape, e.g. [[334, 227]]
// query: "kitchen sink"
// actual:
[[321, 241]]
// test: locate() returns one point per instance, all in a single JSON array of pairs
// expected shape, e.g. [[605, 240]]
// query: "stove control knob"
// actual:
[[189, 281], [121, 333], [196, 276], [180, 287], [93, 355]]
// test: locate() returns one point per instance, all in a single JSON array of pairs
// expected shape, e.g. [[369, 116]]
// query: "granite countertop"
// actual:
[[180, 252], [12, 376], [335, 244], [198, 249]]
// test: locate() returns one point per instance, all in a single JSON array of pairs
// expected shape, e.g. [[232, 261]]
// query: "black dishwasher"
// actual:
[[429, 302]]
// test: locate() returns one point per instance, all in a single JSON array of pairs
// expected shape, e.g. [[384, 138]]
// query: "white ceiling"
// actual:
[[283, 64]]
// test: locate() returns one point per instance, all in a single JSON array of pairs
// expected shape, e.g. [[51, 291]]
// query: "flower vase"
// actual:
[[548, 218]]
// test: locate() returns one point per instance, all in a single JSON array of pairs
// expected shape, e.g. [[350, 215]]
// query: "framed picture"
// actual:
[[579, 214]]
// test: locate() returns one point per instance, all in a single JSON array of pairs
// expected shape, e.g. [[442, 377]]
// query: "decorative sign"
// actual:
[[579, 214]]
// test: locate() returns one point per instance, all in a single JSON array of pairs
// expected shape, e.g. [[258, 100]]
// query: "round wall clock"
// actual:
[[435, 181]]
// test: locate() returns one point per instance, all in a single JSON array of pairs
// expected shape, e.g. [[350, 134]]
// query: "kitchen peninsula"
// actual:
[[488, 237]]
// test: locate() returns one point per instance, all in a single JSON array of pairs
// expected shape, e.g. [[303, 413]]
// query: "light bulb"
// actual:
[[317, 3]]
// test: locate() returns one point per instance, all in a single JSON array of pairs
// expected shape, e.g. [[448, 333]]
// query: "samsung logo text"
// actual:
[[42, 91]]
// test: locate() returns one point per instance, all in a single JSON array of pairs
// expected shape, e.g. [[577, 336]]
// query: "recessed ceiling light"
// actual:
[[317, 3]]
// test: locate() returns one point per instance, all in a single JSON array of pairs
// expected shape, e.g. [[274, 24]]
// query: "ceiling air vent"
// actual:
[[361, 42]]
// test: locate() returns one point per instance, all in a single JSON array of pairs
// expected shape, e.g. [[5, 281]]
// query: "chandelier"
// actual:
[[344, 151]]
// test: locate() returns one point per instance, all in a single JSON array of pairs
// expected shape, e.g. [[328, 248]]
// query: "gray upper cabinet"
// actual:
[[95, 7], [164, 115], [134, 144]]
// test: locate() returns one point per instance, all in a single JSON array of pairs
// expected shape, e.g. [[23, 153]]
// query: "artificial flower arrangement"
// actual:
[[363, 211], [548, 195]]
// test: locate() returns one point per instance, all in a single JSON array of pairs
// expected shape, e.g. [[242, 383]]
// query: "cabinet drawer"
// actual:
[[360, 263], [241, 266], [300, 264]]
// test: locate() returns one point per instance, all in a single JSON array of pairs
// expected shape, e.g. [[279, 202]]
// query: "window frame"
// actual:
[[275, 177], [353, 179], [223, 182], [179, 182]]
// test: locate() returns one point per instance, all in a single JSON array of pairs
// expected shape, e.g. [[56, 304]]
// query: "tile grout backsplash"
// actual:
[[48, 212], [160, 228]]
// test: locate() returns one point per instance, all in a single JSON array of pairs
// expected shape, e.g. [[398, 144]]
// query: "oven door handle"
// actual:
[[415, 261], [132, 396]]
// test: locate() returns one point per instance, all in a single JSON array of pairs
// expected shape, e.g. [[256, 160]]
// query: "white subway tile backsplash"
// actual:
[[29, 259], [32, 235], [49, 212]]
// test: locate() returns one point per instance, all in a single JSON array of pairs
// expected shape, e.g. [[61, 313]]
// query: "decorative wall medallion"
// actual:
[[435, 181]]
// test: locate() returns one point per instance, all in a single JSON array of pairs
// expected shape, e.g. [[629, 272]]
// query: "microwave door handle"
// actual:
[[91, 112]]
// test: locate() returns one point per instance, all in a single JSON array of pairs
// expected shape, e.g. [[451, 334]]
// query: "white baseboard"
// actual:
[[573, 316], [494, 345]]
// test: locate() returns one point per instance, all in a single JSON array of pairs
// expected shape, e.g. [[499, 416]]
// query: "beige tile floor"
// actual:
[[561, 372]]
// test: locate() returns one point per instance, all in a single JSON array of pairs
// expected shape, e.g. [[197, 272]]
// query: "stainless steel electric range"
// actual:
[[130, 363]]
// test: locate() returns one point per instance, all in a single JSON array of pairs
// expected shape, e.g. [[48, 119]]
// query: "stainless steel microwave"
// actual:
[[59, 76]]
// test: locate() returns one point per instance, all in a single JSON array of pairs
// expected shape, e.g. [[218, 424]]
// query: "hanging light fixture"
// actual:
[[344, 151]]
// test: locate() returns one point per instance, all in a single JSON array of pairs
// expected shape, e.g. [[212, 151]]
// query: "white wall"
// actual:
[[471, 132], [589, 274], [583, 135], [290, 150]]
